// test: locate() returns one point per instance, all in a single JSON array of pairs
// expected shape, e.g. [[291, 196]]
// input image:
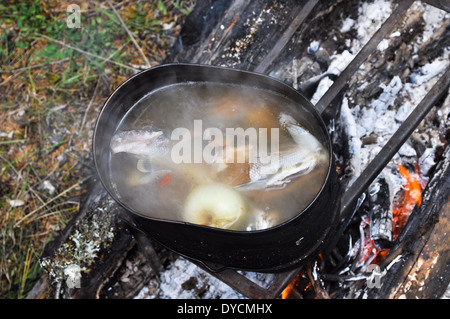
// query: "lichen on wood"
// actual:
[[83, 246]]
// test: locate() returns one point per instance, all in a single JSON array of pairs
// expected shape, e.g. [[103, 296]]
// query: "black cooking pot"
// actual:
[[278, 248]]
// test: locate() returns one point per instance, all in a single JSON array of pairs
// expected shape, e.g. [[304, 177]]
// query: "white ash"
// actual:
[[338, 64], [313, 46], [433, 19], [429, 71], [384, 116], [175, 284], [323, 86], [371, 16], [347, 25], [388, 96], [354, 141], [383, 45], [380, 117], [185, 280]]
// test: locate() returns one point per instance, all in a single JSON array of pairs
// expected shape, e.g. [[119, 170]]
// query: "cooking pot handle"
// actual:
[[309, 87], [210, 267]]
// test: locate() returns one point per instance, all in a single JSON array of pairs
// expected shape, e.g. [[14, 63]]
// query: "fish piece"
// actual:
[[301, 159], [165, 180], [304, 139], [150, 145], [152, 148], [291, 164], [140, 142], [301, 136]]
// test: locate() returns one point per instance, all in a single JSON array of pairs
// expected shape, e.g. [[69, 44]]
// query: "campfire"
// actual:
[[369, 252], [378, 72], [409, 198]]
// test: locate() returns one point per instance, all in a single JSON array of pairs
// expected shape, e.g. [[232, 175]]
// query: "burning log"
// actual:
[[381, 214], [388, 215], [412, 196], [413, 258]]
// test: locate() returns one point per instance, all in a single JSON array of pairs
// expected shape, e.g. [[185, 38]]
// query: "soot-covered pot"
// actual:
[[274, 249]]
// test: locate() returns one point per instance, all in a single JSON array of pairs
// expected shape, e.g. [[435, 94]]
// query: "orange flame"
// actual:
[[412, 196], [287, 291], [402, 208]]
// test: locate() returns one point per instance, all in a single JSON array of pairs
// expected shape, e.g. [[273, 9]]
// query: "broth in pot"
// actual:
[[219, 155]]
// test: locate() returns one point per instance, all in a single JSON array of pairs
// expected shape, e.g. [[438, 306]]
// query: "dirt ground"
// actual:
[[59, 62]]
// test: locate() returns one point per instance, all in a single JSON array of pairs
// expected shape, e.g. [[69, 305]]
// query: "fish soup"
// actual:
[[218, 155]]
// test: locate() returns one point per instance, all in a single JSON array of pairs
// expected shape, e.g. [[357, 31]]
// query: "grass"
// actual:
[[53, 82]]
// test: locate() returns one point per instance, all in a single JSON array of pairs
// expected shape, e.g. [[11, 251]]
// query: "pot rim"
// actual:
[[205, 66]]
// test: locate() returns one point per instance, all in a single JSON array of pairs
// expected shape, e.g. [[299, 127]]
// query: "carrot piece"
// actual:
[[166, 180]]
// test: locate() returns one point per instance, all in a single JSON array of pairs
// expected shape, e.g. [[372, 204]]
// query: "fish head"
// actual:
[[140, 142]]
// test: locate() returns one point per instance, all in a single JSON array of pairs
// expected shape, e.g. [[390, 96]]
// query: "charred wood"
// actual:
[[442, 4], [381, 214], [317, 282], [134, 273], [434, 47], [427, 227], [147, 247], [197, 29]]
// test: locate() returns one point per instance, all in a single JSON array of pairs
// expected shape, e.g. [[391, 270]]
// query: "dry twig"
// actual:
[[35, 66], [89, 105], [130, 34], [86, 53], [50, 201]]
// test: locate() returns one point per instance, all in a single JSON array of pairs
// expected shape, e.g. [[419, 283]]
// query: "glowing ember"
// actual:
[[412, 196], [369, 253], [402, 208], [369, 250]]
